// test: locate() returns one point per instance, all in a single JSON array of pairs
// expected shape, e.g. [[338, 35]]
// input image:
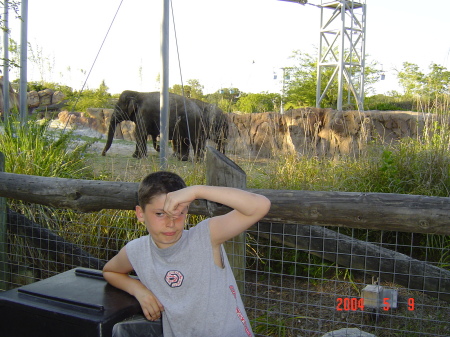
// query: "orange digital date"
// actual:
[[354, 304], [349, 303]]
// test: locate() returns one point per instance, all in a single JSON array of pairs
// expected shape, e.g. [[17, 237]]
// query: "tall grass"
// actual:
[[32, 148], [410, 166]]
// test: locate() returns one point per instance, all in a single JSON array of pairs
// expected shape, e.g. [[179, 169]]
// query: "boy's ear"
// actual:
[[140, 213]]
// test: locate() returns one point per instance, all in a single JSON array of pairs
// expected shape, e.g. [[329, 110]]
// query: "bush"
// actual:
[[35, 150]]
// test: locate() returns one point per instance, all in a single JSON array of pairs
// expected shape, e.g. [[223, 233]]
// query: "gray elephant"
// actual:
[[215, 123], [143, 108]]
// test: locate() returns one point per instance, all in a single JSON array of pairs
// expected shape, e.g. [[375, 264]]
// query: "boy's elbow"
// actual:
[[265, 205], [106, 273], [106, 268]]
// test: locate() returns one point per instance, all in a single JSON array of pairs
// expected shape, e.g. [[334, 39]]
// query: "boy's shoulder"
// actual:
[[202, 225], [142, 240]]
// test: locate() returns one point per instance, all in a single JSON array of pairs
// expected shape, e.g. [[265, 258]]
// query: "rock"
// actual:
[[57, 97], [96, 113], [348, 332], [126, 130], [98, 120], [45, 99], [13, 96], [45, 96], [33, 99]]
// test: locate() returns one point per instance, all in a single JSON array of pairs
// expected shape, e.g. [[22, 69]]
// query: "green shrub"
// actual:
[[33, 149]]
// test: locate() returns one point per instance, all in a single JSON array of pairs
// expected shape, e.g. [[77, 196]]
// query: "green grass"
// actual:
[[32, 149]]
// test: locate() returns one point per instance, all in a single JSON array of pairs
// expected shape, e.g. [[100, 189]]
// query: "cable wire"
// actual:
[[98, 53], [181, 78]]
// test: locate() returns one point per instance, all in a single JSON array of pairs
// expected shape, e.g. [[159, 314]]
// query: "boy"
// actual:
[[185, 273]]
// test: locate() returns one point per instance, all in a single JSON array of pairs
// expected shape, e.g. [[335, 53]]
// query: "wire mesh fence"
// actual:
[[292, 292], [299, 280]]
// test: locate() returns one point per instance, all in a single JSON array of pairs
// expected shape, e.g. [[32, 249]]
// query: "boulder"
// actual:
[[98, 119], [13, 96], [33, 100], [76, 119], [45, 96], [58, 97]]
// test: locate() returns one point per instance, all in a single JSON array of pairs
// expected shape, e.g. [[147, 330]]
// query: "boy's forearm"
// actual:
[[151, 306], [123, 282], [242, 201]]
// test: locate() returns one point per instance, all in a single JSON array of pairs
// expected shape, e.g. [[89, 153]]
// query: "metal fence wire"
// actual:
[[299, 280]]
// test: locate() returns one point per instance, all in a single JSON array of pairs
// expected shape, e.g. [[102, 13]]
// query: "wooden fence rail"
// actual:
[[379, 211]]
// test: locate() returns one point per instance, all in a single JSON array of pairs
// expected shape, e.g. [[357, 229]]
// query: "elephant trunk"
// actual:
[[111, 132]]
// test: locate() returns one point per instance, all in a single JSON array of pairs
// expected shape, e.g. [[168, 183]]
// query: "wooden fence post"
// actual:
[[3, 235], [221, 171]]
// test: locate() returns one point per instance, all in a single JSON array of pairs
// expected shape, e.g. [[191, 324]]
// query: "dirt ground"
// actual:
[[119, 147], [118, 162]]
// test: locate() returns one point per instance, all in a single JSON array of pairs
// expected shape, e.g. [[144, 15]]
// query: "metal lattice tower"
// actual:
[[342, 47]]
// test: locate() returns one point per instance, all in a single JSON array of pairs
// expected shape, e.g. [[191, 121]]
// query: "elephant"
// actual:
[[215, 123], [143, 108]]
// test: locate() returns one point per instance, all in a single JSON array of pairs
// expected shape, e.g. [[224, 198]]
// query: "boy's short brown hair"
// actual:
[[157, 183]]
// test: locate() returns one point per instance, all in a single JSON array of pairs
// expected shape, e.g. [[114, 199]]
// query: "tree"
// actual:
[[225, 98], [301, 87], [411, 79], [97, 98], [429, 91], [193, 89], [437, 81], [262, 102]]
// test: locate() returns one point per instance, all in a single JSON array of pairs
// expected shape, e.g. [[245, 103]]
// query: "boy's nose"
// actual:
[[170, 222]]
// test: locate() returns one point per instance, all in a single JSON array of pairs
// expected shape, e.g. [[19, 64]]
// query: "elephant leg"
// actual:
[[175, 148], [141, 134], [141, 146], [184, 149], [180, 148], [180, 145], [155, 145], [198, 144]]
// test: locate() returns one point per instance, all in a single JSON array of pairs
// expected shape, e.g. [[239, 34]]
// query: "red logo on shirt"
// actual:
[[174, 278]]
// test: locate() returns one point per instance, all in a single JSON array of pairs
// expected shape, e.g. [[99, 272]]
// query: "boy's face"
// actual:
[[164, 230]]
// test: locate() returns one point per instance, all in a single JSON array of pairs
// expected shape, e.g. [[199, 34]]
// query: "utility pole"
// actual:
[[164, 96], [23, 104], [6, 62]]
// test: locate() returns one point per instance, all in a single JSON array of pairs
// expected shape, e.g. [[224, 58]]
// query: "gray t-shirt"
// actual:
[[200, 298]]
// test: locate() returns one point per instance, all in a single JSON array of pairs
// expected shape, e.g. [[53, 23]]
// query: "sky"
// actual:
[[222, 44]]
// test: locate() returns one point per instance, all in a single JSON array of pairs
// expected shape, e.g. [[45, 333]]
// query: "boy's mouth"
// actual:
[[169, 233]]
